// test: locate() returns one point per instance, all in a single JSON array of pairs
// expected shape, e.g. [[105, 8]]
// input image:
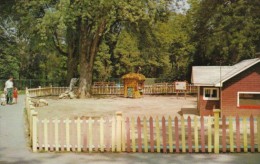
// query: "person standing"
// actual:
[[9, 87], [15, 95]]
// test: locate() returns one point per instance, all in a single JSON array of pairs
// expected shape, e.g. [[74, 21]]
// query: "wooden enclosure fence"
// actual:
[[167, 135], [159, 88], [143, 134]]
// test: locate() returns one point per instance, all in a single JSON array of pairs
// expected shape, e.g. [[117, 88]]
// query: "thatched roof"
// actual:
[[137, 76]]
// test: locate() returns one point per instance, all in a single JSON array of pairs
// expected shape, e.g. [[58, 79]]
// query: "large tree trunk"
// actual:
[[73, 52], [72, 66], [89, 44]]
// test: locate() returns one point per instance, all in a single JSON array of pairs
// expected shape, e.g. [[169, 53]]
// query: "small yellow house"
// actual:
[[133, 85]]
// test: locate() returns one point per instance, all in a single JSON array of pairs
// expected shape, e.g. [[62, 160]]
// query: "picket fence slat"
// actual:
[[151, 134], [209, 135], [101, 124], [224, 134], [145, 135], [107, 134], [113, 134], [258, 133], [252, 138], [170, 134], [139, 135], [50, 135], [238, 134], [183, 136], [123, 134], [189, 135], [202, 134], [56, 134], [128, 147], [133, 134], [157, 130], [177, 142], [90, 135], [245, 133], [196, 135], [231, 136], [164, 135]]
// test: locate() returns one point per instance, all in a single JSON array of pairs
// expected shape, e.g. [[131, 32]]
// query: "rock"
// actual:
[[72, 95], [63, 95], [42, 101]]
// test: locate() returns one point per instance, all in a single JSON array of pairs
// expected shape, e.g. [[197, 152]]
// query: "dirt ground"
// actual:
[[106, 106]]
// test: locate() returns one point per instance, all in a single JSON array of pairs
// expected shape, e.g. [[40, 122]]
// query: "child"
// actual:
[[3, 99], [15, 94]]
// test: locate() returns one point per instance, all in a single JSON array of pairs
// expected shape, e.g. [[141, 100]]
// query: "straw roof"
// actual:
[[137, 76]]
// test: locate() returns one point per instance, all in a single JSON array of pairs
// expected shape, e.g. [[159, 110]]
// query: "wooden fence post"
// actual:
[[78, 122], [216, 130], [56, 133], [118, 131], [45, 134], [34, 131], [258, 133]]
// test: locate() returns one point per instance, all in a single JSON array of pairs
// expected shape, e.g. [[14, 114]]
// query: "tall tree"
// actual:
[[228, 31]]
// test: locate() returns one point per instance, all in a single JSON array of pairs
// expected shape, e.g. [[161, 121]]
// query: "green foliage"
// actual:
[[41, 38], [126, 54], [229, 31], [102, 65]]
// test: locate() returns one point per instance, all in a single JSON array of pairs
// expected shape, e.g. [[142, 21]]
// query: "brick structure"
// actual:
[[233, 89]]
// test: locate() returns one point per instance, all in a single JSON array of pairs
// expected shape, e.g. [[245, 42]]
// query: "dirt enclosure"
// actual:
[[108, 106]]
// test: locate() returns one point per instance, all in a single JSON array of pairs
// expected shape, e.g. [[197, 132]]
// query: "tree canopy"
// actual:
[[104, 39]]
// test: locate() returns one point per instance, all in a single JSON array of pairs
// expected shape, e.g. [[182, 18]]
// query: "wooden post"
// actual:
[[231, 135], [113, 137], [67, 131], [209, 135], [118, 131], [189, 135], [34, 131], [196, 135], [133, 134], [145, 135], [139, 134], [90, 135], [128, 149], [78, 124], [202, 134], [101, 124], [151, 134], [216, 130], [45, 133], [224, 135], [158, 144], [244, 122], [56, 133], [123, 134], [183, 137], [170, 134], [252, 133], [258, 133], [238, 134]]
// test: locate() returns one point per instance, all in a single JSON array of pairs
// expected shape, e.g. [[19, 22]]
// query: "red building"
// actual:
[[233, 89]]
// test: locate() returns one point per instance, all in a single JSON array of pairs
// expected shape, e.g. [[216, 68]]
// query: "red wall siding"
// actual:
[[247, 81], [206, 106]]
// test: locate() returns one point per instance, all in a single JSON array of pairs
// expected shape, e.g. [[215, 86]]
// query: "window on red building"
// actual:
[[250, 100], [210, 94]]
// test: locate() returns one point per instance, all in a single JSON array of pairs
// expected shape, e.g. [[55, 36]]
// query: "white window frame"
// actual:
[[238, 105], [211, 90]]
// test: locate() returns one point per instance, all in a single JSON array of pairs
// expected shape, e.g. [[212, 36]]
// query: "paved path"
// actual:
[[13, 149]]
